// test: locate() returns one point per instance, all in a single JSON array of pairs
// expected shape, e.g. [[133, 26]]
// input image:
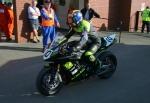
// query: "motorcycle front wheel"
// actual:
[[45, 85]]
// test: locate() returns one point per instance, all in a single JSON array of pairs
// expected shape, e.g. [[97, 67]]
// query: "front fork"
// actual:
[[53, 69]]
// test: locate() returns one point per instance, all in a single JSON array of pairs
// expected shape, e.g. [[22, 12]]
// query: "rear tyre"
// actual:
[[108, 65]]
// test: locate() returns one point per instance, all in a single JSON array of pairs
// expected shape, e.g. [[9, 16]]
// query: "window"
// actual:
[[56, 1], [59, 2], [62, 2]]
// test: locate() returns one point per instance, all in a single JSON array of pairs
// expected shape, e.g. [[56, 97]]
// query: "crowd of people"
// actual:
[[43, 17], [46, 19]]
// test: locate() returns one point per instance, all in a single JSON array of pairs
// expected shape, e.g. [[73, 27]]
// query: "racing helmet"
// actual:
[[76, 17]]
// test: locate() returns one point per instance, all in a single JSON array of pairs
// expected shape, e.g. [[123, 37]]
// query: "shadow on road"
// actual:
[[18, 76]]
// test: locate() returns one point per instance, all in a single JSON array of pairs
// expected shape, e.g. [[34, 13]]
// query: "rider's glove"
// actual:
[[76, 48]]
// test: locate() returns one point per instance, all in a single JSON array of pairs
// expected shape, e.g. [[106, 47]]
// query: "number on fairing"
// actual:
[[47, 54], [109, 39]]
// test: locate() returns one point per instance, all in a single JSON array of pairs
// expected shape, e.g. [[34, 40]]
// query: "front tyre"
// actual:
[[44, 84], [108, 65]]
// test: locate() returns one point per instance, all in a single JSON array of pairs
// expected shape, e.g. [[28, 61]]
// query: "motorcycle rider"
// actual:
[[83, 28]]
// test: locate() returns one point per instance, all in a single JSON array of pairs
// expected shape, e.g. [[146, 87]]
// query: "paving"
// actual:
[[12, 51]]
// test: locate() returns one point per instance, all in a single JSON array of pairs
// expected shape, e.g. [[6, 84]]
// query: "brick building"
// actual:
[[124, 12], [120, 12]]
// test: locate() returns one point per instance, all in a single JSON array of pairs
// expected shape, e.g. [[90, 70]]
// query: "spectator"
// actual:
[[88, 13], [33, 14], [69, 15], [49, 21], [145, 19], [3, 20], [5, 3], [40, 6], [10, 20]]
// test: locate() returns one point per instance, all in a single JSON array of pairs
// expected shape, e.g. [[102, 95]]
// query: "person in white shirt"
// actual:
[[33, 15]]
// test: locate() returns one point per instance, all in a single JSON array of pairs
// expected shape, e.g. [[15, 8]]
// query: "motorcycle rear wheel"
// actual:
[[108, 65]]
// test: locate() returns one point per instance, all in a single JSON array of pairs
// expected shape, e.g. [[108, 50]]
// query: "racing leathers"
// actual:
[[87, 35]]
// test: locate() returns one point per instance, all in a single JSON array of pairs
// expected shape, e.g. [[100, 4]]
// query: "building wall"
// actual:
[[109, 9], [114, 10], [62, 11], [136, 5], [22, 27], [102, 8]]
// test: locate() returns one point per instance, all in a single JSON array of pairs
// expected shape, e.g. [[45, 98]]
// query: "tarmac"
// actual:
[[12, 51]]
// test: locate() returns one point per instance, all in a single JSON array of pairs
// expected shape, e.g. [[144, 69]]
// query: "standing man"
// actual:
[[69, 15], [10, 20], [88, 13], [146, 19], [3, 20], [33, 14], [49, 22]]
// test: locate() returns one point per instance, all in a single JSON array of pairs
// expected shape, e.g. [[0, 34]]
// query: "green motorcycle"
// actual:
[[62, 67]]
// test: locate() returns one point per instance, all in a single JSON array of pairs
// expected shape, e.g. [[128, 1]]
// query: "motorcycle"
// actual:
[[62, 67]]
